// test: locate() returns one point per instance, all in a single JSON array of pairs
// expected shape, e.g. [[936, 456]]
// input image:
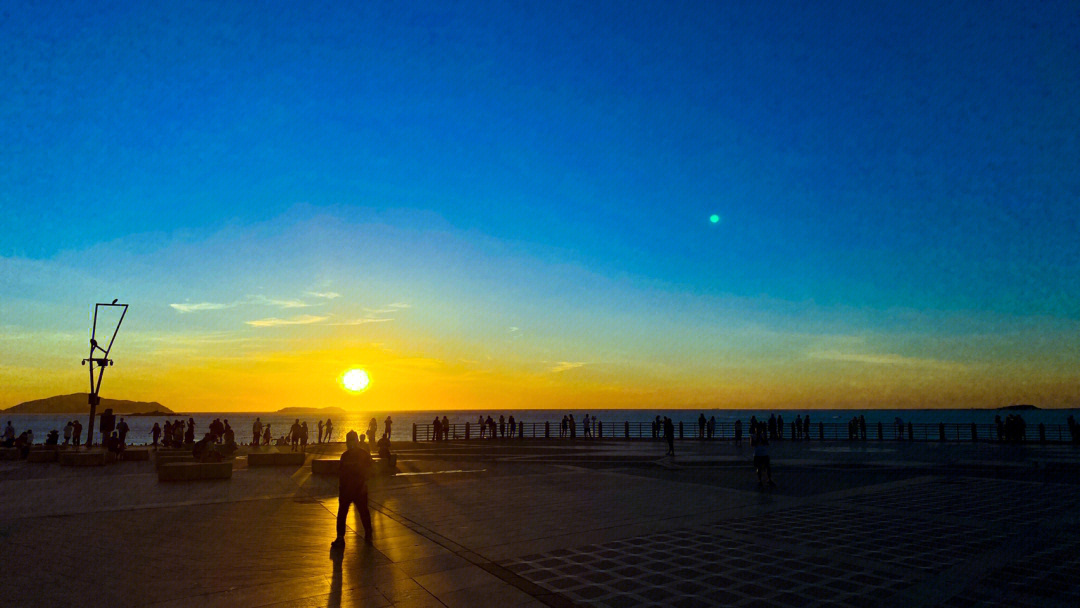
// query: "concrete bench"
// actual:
[[164, 459], [278, 459], [193, 471], [48, 454], [328, 466], [82, 459], [325, 466], [135, 455]]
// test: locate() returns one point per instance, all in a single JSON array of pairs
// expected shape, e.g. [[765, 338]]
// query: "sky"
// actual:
[[507, 204]]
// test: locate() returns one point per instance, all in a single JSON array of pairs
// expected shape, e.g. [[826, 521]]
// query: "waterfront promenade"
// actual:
[[563, 523]]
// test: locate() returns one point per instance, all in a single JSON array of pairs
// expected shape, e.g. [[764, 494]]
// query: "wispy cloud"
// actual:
[[395, 307], [562, 366], [276, 322], [329, 295], [363, 321], [201, 306], [513, 329], [887, 359], [260, 299]]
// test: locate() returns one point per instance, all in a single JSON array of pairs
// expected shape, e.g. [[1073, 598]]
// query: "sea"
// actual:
[[241, 422]]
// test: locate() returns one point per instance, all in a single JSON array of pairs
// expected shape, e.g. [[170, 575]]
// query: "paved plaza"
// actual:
[[550, 523]]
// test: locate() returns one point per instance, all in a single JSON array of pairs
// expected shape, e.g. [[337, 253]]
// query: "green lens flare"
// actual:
[[714, 218]]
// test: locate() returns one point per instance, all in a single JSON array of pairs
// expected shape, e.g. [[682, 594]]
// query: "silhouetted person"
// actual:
[[780, 427], [303, 436], [372, 430], [387, 426], [513, 426], [761, 459], [53, 438], [256, 432], [329, 429], [67, 432], [573, 426], [320, 431], [189, 434], [669, 436], [806, 427], [502, 425], [154, 434], [9, 435], [445, 428], [738, 432], [388, 460], [294, 434], [701, 422], [862, 427], [352, 487], [436, 426], [267, 437], [113, 443], [76, 433]]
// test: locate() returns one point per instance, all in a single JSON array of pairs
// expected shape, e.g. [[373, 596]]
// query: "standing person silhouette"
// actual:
[[669, 435], [355, 470], [329, 430]]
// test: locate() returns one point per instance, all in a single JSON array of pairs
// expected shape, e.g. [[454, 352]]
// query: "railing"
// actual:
[[725, 431]]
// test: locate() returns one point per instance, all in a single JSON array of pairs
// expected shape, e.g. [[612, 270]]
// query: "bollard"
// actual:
[[680, 430], [941, 431], [414, 432], [880, 432], [974, 433], [626, 429], [467, 429], [547, 430], [821, 431]]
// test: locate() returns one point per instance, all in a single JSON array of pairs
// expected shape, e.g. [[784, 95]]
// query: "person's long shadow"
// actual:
[[337, 555]]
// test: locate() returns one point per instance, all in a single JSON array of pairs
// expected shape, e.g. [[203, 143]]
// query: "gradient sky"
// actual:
[[507, 204]]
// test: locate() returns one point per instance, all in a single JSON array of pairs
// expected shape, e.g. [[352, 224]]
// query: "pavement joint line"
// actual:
[[548, 598]]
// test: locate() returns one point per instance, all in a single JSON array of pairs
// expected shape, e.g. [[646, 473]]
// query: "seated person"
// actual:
[[388, 460], [113, 443], [53, 438], [201, 451], [22, 443]]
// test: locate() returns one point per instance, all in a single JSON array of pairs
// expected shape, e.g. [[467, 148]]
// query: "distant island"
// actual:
[[310, 410], [1019, 407], [76, 403]]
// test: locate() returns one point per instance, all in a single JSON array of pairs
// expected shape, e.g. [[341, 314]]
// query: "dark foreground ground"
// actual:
[[558, 524]]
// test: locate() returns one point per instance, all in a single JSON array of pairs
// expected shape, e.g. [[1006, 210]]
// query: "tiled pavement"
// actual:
[[509, 531]]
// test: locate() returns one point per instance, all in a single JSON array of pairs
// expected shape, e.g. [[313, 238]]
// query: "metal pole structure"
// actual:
[[102, 361]]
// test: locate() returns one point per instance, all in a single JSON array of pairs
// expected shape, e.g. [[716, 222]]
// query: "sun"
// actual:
[[355, 380]]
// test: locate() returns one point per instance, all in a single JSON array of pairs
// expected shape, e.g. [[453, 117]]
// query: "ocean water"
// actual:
[[241, 422]]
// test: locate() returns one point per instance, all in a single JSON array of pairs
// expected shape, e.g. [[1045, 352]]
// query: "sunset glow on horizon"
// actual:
[[489, 206]]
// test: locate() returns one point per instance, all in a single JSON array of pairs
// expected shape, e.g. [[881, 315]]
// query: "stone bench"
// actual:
[[135, 455], [325, 466], [278, 459], [48, 454], [82, 459], [164, 459], [332, 466], [193, 471]]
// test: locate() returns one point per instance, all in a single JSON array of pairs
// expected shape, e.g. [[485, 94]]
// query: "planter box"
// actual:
[[325, 466], [194, 471], [41, 455], [82, 459], [277, 459]]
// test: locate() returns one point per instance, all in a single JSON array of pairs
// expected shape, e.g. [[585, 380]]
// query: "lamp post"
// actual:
[[99, 362]]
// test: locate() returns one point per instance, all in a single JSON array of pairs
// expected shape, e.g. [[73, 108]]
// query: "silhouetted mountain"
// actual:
[[76, 403], [1020, 407]]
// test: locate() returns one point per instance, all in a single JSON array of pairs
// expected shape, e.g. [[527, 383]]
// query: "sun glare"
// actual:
[[355, 380]]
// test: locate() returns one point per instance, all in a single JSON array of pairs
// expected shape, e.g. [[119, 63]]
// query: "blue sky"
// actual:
[[880, 168]]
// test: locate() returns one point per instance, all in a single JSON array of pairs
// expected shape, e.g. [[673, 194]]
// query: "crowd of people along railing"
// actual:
[[725, 431]]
